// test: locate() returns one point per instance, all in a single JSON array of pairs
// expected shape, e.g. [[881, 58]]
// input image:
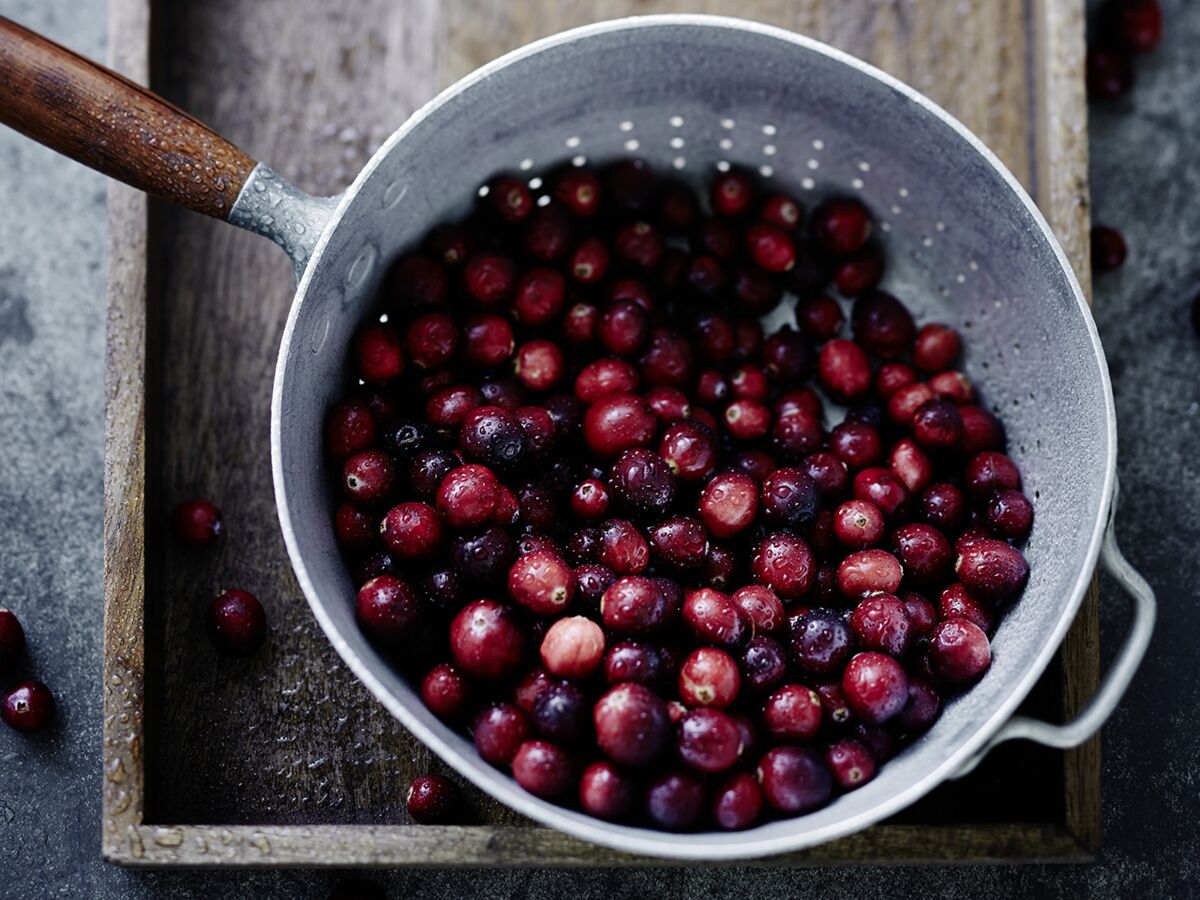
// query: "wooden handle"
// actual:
[[105, 121]]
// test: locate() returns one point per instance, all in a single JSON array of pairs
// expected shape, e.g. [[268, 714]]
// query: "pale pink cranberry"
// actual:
[[573, 647], [912, 465]]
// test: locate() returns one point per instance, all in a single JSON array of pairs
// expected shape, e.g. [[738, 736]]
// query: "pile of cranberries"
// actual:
[[609, 525]]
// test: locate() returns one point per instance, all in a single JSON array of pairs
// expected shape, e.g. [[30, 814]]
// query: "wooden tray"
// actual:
[[285, 759]]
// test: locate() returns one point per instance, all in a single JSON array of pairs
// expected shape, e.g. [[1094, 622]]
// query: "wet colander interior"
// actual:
[[964, 244]]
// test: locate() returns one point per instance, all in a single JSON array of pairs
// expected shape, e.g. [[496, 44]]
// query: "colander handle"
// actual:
[[1101, 706]]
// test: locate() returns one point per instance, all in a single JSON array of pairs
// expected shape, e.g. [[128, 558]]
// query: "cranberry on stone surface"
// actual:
[[379, 354], [623, 548], [793, 713], [412, 530], [709, 677], [28, 706], [850, 762], [543, 769], [370, 477], [784, 563], [761, 607], [794, 779], [844, 369], [605, 791], [486, 640], [821, 641], [1109, 73], [959, 651], [674, 801], [924, 553], [198, 522], [631, 723], [737, 802], [445, 691], [12, 639], [1010, 515], [680, 543], [237, 624], [790, 499], [841, 225], [388, 611], [876, 686], [728, 504], [992, 569]]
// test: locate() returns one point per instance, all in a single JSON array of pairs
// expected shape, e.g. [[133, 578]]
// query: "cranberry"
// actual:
[[549, 234], [709, 740], [903, 404], [764, 663], [624, 328], [388, 611], [992, 569], [943, 506], [467, 496], [642, 481], [820, 317], [590, 500], [198, 521], [784, 563], [12, 639], [451, 244], [811, 273], [541, 582], [883, 489], [828, 472], [623, 548], [418, 281], [28, 706], [674, 801], [728, 504], [1010, 515], [379, 354], [445, 691], [747, 420], [833, 702], [859, 524], [1135, 24], [573, 647], [860, 272], [937, 424], [509, 198], [867, 571], [796, 434], [412, 530], [850, 762], [606, 792], [857, 444], [634, 604], [737, 802], [592, 580], [875, 686], [543, 769], [988, 472], [374, 565], [790, 498], [892, 376], [499, 731], [677, 207], [709, 677], [540, 364], [911, 465], [618, 422], [428, 469], [794, 779], [793, 713], [882, 324], [924, 552], [369, 477], [632, 726], [603, 377], [959, 651], [844, 369], [486, 641], [669, 360], [669, 405], [1109, 73], [981, 430], [690, 450], [714, 618], [448, 407], [434, 800], [579, 324], [489, 340], [731, 193], [631, 661], [760, 606], [482, 557], [579, 190], [921, 614], [922, 709], [431, 340], [787, 356], [560, 712], [770, 247], [680, 543], [841, 225], [755, 292], [821, 641], [880, 622]]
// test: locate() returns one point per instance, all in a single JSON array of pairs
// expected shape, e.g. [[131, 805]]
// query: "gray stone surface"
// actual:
[[1146, 174]]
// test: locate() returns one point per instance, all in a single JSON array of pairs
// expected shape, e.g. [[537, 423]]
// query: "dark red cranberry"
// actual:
[[632, 726], [717, 238], [543, 769], [28, 706], [639, 244], [690, 450], [680, 543], [821, 641], [709, 677], [489, 340], [578, 189], [709, 740], [580, 324], [937, 425], [943, 506], [12, 640], [820, 317], [989, 472], [737, 802], [790, 499], [635, 605], [828, 472], [447, 408], [959, 651], [793, 713], [1134, 24], [417, 282], [237, 624], [859, 524], [1109, 72], [721, 567], [1010, 515], [867, 571], [427, 471], [584, 546], [349, 428], [451, 244], [796, 434], [379, 354], [841, 225], [538, 504], [539, 364], [784, 563], [921, 614], [903, 404], [375, 564], [618, 422], [833, 702], [875, 686], [561, 713], [781, 211], [566, 412], [589, 261], [369, 478], [747, 420], [956, 602], [731, 193], [892, 376], [728, 504], [603, 377], [592, 580], [705, 275], [850, 762], [549, 234], [844, 369], [445, 691], [624, 328], [642, 482], [499, 731], [787, 357], [532, 542], [678, 208], [758, 464], [486, 640], [922, 709], [629, 186], [431, 340], [883, 489], [911, 465], [508, 198], [669, 405], [412, 530], [937, 347], [606, 792], [770, 247], [198, 522], [755, 292], [760, 606], [794, 779], [748, 338], [633, 291], [992, 569], [880, 622], [876, 738], [434, 800], [669, 361], [632, 661], [467, 496], [590, 500], [482, 557], [857, 444], [623, 549], [882, 324], [541, 582], [540, 297], [388, 611], [763, 663], [953, 386], [981, 430], [674, 801], [860, 272], [714, 618], [924, 552], [1108, 249]]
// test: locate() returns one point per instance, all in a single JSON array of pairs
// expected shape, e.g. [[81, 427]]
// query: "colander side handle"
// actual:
[[1101, 706]]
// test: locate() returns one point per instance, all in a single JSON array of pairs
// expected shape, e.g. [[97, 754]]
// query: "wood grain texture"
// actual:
[[276, 748], [114, 125]]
